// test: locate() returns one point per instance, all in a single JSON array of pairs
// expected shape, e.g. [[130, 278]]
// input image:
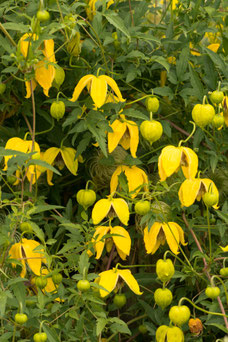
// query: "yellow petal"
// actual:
[[114, 137], [225, 249], [50, 287], [49, 177], [181, 233], [172, 236], [80, 86], [191, 159], [108, 280], [130, 281], [68, 155], [16, 253], [211, 187], [134, 137], [28, 88], [161, 171], [213, 47], [150, 238], [100, 210], [50, 155], [44, 75], [122, 242], [33, 258], [122, 255], [171, 159], [121, 208], [188, 191], [49, 50], [98, 239], [16, 144], [98, 91], [113, 85], [25, 42]]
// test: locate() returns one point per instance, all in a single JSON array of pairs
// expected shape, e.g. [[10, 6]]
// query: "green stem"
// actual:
[[47, 130], [6, 33], [140, 99], [199, 308], [151, 116], [190, 135], [209, 234]]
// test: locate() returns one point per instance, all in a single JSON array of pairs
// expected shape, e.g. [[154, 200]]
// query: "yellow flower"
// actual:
[[59, 156], [136, 178], [225, 249], [25, 146], [120, 237], [213, 47], [91, 9], [109, 279], [194, 189], [125, 133], [172, 158], [161, 232], [106, 207], [98, 87], [24, 251], [25, 43], [44, 70], [50, 287]]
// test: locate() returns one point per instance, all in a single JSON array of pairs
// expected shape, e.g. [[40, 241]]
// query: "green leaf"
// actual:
[[42, 208], [51, 334], [99, 135], [83, 263], [84, 142], [130, 112], [182, 63], [15, 27], [196, 83], [161, 60], [217, 60], [219, 326], [101, 323], [222, 216], [3, 300], [115, 20], [38, 232], [43, 164]]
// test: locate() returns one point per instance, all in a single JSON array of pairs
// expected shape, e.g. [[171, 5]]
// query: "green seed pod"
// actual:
[[163, 297], [57, 110], [59, 76], [165, 269]]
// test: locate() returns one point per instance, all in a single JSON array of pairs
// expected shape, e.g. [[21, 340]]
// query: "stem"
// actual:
[[110, 257], [199, 308], [33, 128], [151, 116], [190, 135], [209, 234], [224, 286], [47, 130], [7, 35], [140, 99]]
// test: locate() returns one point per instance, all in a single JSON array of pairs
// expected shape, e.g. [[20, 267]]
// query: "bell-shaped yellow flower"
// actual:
[[108, 207], [109, 279], [225, 249], [25, 43], [193, 189], [44, 70], [24, 252], [59, 157], [121, 239], [160, 233], [98, 87], [136, 178], [25, 146], [172, 158], [125, 133]]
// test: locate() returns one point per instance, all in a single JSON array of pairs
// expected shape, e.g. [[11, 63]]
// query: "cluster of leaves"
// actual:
[[148, 48]]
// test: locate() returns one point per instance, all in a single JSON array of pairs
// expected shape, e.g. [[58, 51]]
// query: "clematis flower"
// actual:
[[108, 207], [24, 252], [172, 158], [125, 133], [193, 189], [109, 279], [59, 157], [25, 146], [98, 87], [160, 233], [44, 70], [121, 239], [91, 9], [136, 178], [225, 249]]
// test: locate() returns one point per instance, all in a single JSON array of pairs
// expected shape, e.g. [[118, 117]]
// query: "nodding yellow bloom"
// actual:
[[25, 43], [91, 9], [136, 178], [50, 287], [25, 146], [194, 189], [225, 110], [59, 157], [109, 279], [213, 47], [44, 70], [160, 233], [172, 158], [125, 133], [225, 249], [110, 207], [24, 252], [120, 237], [98, 87]]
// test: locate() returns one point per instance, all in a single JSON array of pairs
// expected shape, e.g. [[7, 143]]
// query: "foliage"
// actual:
[[97, 97]]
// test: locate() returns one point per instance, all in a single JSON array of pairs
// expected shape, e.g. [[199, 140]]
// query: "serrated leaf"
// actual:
[[130, 112], [51, 334], [101, 323], [42, 208], [43, 164], [196, 83], [182, 63], [83, 262], [115, 20]]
